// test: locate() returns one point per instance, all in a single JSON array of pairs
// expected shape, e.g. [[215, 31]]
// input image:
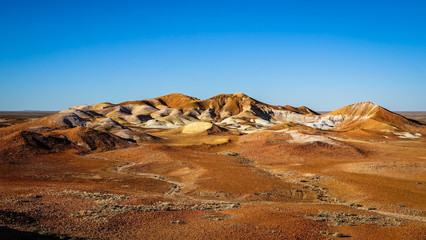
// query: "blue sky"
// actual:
[[322, 54]]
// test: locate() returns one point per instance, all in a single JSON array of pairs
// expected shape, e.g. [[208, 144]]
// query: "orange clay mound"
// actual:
[[21, 145], [173, 100], [232, 103], [93, 140], [203, 127], [366, 115], [177, 100]]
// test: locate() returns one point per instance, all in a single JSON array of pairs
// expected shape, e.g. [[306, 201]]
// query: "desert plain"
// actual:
[[227, 167]]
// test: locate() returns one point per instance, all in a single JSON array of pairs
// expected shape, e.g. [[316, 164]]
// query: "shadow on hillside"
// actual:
[[12, 234]]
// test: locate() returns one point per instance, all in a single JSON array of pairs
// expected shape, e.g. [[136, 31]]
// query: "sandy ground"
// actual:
[[262, 185]]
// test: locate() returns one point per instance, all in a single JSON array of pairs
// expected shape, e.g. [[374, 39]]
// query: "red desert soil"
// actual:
[[283, 182]]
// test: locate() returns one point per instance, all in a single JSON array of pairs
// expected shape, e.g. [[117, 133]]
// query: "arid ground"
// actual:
[[284, 181]]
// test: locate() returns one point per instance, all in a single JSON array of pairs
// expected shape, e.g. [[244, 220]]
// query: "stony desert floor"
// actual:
[[12, 118], [250, 185]]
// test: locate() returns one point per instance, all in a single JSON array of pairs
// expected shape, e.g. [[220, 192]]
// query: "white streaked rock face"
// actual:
[[70, 119], [234, 111], [407, 135], [151, 117]]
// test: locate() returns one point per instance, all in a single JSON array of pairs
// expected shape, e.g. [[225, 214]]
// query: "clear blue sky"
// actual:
[[322, 54]]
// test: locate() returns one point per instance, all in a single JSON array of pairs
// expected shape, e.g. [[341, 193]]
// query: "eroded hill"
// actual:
[[236, 112]]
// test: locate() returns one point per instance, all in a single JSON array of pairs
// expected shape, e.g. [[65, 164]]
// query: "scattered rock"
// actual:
[[339, 235], [341, 218], [217, 218], [355, 205], [229, 153], [177, 222]]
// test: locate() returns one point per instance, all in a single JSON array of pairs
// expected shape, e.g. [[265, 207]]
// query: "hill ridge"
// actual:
[[237, 111]]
